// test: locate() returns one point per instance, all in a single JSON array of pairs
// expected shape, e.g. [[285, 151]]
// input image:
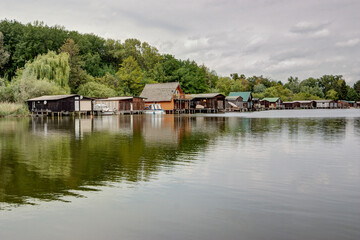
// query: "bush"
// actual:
[[13, 109]]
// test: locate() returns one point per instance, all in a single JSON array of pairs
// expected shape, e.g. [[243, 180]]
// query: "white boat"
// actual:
[[103, 109], [154, 109]]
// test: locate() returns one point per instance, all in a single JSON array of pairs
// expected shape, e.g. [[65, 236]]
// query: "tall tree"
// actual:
[[130, 76], [4, 55], [77, 75]]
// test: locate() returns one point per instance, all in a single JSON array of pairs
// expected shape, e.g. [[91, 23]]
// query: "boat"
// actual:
[[154, 109], [103, 109]]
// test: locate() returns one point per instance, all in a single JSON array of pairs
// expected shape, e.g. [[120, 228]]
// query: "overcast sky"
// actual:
[[277, 38]]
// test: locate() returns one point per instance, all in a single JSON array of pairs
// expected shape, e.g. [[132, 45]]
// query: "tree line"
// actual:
[[37, 59]]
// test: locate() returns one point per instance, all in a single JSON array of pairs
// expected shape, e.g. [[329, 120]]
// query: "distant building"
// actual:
[[247, 98], [60, 103], [207, 101], [168, 95], [325, 104], [234, 103], [272, 102], [123, 104]]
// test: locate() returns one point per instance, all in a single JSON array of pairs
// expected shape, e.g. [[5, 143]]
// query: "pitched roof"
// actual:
[[52, 97], [159, 92], [233, 98], [271, 99], [245, 95], [203, 95], [323, 101]]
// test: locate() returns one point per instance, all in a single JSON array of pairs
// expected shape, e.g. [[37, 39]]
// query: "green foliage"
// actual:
[[130, 76], [95, 89], [259, 88], [54, 67], [77, 75], [305, 96], [332, 94], [224, 85], [352, 95], [357, 87], [4, 55], [28, 86]]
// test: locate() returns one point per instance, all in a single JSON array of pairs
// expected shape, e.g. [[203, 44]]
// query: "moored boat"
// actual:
[[154, 109]]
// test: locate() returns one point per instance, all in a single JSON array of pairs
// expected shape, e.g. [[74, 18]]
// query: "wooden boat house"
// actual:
[[272, 102], [206, 102], [123, 105], [235, 103], [60, 104], [168, 95], [247, 99], [325, 104]]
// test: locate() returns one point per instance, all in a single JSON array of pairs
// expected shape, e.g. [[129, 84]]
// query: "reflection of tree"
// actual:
[[48, 158]]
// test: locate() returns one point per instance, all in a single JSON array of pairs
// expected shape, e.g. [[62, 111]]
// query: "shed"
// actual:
[[60, 103], [304, 103], [325, 104], [246, 96], [234, 102], [211, 101], [123, 104], [273, 102]]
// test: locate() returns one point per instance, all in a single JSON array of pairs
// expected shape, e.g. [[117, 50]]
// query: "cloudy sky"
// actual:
[[275, 38]]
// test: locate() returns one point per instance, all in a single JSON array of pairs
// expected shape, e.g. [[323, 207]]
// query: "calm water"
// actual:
[[266, 175]]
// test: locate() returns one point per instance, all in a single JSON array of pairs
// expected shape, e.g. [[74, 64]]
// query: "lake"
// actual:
[[290, 174]]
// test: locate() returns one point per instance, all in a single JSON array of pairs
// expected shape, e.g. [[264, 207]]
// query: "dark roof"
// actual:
[[159, 92], [52, 97], [203, 95]]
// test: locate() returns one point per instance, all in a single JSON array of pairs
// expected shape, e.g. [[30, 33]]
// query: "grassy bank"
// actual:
[[13, 109]]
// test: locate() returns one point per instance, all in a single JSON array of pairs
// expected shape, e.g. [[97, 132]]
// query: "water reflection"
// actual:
[[47, 159]]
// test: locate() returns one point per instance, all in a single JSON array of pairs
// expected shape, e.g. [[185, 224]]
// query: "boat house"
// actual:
[[325, 104], [234, 103], [168, 95], [272, 102], [60, 104], [247, 99], [123, 105], [206, 102]]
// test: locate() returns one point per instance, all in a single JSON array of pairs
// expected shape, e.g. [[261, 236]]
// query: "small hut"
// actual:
[[273, 102], [246, 96], [234, 102]]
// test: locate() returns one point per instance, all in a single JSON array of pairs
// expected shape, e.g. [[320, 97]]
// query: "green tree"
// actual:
[[352, 95], [51, 66], [4, 55], [357, 87], [332, 94], [259, 88], [94, 89], [342, 89], [130, 76], [77, 75], [224, 85]]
